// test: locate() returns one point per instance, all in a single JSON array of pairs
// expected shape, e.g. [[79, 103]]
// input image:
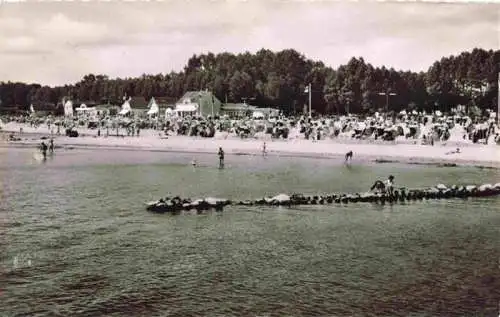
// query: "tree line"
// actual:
[[278, 79]]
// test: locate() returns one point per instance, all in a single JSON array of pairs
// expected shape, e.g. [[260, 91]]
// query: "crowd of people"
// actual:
[[405, 127], [412, 126]]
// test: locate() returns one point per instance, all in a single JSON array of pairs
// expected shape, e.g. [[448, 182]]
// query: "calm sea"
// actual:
[[76, 240]]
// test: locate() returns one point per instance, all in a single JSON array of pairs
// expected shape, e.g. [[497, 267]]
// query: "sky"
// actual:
[[57, 43]]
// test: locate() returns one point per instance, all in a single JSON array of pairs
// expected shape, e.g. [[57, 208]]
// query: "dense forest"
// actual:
[[278, 79]]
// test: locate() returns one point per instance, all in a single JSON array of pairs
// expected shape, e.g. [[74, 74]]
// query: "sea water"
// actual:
[[76, 239]]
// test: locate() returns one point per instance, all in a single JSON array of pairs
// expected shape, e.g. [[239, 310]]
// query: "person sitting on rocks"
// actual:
[[384, 187]]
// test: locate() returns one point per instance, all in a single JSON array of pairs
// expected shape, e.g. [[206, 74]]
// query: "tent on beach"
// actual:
[[153, 107], [68, 109], [126, 108]]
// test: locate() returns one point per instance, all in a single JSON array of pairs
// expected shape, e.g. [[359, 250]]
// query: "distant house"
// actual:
[[105, 109], [164, 102], [138, 102], [200, 103], [44, 108], [265, 113], [85, 111], [238, 110], [138, 105]]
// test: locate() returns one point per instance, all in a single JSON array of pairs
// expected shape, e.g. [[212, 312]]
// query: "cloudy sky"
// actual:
[[55, 43]]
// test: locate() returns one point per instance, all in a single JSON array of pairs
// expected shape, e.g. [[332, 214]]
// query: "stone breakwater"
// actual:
[[178, 204]]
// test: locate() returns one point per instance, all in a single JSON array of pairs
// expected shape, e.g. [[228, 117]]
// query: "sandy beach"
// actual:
[[149, 140]]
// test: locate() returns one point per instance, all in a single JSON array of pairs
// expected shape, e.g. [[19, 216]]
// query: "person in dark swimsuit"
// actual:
[[43, 148], [221, 157], [51, 146], [348, 156]]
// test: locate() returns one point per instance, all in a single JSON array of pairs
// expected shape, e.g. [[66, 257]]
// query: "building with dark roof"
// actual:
[[199, 103]]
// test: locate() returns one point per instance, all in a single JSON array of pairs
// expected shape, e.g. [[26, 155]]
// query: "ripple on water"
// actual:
[[95, 251]]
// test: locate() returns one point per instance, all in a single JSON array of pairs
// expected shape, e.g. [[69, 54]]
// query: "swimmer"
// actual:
[[453, 152], [193, 162]]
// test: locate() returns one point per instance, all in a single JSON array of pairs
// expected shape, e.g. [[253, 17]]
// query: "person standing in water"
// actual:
[[348, 156], [51, 145], [221, 157], [43, 148], [264, 150]]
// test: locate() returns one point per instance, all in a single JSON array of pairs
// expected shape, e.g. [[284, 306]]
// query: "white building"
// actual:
[[84, 111]]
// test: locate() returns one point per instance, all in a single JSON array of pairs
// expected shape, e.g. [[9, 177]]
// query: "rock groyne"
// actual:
[[178, 204]]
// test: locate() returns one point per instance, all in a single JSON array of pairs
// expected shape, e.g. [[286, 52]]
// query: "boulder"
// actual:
[[485, 187], [470, 188], [281, 199], [441, 187]]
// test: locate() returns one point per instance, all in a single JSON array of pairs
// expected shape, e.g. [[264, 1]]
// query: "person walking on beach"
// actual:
[[264, 150], [221, 158]]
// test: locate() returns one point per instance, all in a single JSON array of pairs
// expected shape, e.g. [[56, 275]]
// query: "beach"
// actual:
[[150, 140]]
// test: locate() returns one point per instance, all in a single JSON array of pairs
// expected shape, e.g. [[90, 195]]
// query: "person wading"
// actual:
[[43, 148], [348, 156], [51, 146], [221, 158]]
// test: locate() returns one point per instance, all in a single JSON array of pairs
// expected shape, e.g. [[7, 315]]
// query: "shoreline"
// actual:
[[475, 156]]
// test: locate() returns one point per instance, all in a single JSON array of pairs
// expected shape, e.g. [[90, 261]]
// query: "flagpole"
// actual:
[[498, 100], [310, 109]]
